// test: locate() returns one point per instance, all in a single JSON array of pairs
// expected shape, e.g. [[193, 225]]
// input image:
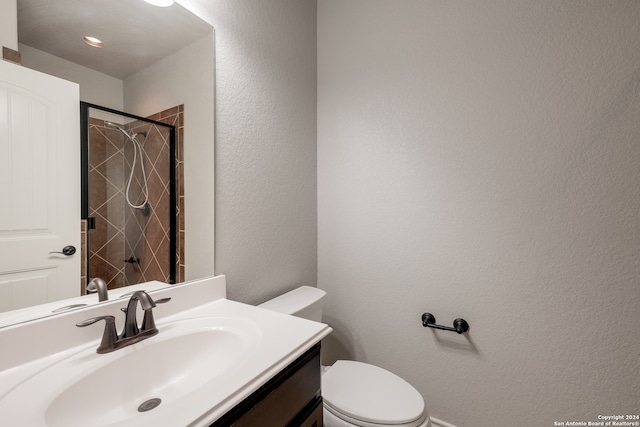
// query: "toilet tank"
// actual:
[[305, 302]]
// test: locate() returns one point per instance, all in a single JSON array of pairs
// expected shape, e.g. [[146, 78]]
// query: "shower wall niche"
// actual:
[[132, 194]]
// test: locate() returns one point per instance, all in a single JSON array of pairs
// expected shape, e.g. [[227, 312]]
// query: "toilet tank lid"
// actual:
[[371, 394], [294, 301]]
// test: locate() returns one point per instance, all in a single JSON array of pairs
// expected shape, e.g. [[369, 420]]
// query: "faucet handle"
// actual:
[[147, 321], [108, 319], [109, 336]]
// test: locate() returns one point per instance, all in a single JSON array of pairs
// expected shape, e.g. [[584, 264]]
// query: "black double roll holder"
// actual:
[[459, 325]]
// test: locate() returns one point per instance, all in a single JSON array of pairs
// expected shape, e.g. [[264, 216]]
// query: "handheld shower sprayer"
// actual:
[[137, 151]]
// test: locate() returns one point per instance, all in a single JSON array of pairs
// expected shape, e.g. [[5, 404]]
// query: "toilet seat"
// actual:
[[367, 395], [332, 420]]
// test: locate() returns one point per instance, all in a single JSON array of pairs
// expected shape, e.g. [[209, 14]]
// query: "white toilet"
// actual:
[[355, 393]]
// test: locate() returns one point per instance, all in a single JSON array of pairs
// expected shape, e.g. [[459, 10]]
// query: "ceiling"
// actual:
[[135, 33]]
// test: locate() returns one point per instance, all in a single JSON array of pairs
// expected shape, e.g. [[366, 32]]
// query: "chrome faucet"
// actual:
[[131, 333], [98, 285]]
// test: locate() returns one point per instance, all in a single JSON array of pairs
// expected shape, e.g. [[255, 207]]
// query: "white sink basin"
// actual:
[[89, 389]]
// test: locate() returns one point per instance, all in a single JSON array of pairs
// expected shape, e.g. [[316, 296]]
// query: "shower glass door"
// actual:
[[129, 197]]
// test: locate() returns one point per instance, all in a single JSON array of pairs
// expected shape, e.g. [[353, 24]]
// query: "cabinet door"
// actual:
[[39, 187], [315, 418], [286, 400]]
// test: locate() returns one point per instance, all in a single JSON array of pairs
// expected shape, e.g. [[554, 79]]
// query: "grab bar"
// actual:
[[459, 325]]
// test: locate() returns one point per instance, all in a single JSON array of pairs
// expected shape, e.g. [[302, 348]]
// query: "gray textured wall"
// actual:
[[265, 213], [482, 160]]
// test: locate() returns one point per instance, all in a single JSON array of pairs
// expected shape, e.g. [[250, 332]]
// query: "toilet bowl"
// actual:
[[360, 394], [356, 393]]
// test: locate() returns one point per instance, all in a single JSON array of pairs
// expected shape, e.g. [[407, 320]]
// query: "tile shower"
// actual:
[[130, 245]]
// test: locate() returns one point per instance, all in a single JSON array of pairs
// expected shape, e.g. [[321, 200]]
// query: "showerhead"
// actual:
[[118, 127], [113, 126]]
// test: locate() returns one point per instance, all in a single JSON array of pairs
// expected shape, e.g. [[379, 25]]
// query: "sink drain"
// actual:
[[149, 404]]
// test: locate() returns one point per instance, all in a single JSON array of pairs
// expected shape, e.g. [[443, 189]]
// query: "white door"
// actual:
[[39, 187]]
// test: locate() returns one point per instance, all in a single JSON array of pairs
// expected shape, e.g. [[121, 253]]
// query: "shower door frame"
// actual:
[[84, 180]]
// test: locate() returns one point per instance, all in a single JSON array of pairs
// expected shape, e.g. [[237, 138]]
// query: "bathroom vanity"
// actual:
[[291, 398], [214, 362]]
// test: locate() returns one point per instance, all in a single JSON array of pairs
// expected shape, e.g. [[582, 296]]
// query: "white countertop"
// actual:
[[31, 348], [8, 318]]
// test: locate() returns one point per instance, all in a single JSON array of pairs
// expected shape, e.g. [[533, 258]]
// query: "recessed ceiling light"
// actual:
[[161, 3], [92, 41]]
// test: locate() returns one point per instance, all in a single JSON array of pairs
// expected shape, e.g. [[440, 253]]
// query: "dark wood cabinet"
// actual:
[[290, 399], [313, 419]]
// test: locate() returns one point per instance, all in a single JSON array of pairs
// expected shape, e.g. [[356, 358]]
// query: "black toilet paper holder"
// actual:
[[459, 325]]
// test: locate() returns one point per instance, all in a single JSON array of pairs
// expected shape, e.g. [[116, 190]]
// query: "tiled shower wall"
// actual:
[[175, 116], [131, 245]]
